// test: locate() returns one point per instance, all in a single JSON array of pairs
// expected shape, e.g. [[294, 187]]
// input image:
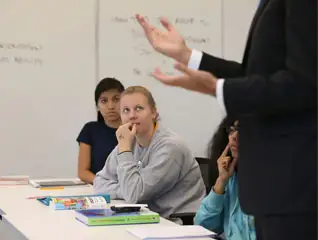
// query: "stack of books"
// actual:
[[102, 217], [96, 210]]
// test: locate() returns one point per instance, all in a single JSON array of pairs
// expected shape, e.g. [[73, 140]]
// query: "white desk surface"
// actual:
[[36, 221]]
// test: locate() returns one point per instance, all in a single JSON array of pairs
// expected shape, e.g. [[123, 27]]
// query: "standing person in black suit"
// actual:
[[273, 95]]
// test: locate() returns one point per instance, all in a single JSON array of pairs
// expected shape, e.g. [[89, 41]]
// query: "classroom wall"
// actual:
[[47, 75], [52, 54]]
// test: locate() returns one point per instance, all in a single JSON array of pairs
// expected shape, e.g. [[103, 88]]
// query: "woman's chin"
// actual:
[[112, 118]]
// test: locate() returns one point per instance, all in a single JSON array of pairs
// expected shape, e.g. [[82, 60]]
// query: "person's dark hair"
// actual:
[[104, 85], [216, 146]]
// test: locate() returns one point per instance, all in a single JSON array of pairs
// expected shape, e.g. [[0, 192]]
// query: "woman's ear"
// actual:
[[155, 114]]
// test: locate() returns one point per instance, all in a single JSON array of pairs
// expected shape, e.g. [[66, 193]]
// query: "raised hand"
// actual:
[[169, 42], [194, 80], [226, 165]]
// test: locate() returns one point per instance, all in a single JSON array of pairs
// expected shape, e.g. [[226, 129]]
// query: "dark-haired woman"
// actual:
[[220, 211], [98, 138]]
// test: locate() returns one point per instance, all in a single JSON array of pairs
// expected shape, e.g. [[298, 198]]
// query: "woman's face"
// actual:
[[233, 140], [108, 105], [135, 108]]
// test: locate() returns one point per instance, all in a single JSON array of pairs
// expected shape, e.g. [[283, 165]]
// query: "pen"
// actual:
[[35, 197], [52, 188]]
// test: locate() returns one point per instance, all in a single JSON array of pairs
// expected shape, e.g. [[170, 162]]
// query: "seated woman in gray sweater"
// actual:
[[150, 164]]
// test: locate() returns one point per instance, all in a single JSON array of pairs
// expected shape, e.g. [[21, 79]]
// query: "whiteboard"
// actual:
[[237, 18], [124, 53], [47, 80]]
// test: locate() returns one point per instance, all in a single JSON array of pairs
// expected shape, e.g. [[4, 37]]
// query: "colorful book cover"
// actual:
[[76, 202], [102, 217]]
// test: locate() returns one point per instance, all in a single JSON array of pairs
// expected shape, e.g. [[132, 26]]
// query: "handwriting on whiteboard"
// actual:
[[20, 53], [175, 21], [134, 40], [137, 32], [148, 72], [20, 46], [21, 60]]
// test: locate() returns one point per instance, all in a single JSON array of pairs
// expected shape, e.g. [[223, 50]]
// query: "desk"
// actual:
[[29, 219]]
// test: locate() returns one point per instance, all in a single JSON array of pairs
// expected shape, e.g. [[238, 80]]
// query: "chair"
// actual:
[[209, 173], [209, 176]]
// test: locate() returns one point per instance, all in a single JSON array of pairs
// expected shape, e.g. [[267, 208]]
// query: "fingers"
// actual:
[[141, 20], [166, 24], [183, 68], [164, 21], [225, 151], [166, 79], [144, 24], [173, 80], [127, 125], [233, 164], [161, 76], [133, 130], [225, 162], [130, 126]]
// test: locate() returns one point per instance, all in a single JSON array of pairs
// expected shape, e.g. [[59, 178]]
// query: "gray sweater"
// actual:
[[164, 175]]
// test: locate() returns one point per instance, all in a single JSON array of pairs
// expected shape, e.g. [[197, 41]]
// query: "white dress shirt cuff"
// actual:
[[219, 95], [195, 59], [194, 63]]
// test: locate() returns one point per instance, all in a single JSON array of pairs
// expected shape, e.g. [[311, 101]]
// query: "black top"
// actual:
[[102, 140]]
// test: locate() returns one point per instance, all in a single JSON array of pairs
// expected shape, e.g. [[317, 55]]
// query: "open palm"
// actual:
[[169, 43]]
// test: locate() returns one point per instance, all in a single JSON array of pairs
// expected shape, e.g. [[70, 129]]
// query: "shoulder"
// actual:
[[91, 124], [86, 133], [88, 125], [170, 141]]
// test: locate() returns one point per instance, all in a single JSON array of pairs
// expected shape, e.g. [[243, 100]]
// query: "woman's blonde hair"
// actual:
[[144, 91]]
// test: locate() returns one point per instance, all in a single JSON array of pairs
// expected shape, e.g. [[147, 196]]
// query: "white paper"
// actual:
[[131, 205], [169, 232]]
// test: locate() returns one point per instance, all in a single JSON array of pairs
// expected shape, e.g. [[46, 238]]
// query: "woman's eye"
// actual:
[[125, 110], [139, 108], [103, 101]]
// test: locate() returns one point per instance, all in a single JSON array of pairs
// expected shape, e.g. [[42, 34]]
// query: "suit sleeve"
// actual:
[[291, 89], [221, 68]]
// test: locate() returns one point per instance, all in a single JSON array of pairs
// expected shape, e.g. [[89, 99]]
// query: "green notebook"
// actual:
[[102, 217]]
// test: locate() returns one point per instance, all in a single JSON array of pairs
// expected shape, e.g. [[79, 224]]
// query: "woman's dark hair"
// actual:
[[104, 85], [216, 146]]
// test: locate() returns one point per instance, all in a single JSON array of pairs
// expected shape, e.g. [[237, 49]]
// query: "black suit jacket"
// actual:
[[273, 94]]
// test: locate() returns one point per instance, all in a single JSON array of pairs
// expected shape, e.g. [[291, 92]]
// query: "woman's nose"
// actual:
[[132, 115], [111, 105]]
